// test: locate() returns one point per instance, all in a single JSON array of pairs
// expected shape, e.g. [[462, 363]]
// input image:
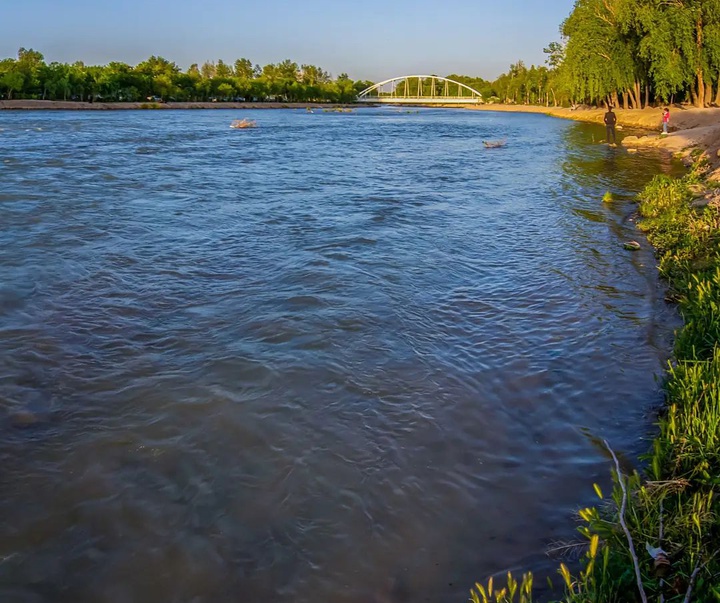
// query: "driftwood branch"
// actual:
[[623, 507], [660, 539]]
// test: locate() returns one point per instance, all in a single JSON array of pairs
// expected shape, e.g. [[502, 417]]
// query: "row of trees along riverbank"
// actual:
[[30, 77], [630, 53]]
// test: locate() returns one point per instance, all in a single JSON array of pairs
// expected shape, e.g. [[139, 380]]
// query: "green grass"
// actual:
[[675, 505]]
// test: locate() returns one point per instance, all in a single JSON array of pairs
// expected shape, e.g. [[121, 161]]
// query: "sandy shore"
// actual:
[[40, 105]]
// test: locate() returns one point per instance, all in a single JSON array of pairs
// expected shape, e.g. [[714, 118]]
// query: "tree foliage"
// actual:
[[28, 76], [629, 53]]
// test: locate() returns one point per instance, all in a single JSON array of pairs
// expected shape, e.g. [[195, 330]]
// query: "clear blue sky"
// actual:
[[368, 39]]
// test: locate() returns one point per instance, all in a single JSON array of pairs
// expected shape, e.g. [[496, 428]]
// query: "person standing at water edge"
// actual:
[[666, 119], [610, 121]]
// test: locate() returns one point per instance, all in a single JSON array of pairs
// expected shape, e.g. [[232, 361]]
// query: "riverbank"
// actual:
[[661, 540], [655, 538], [48, 105]]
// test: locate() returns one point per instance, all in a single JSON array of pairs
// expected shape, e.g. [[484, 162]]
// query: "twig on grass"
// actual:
[[694, 575], [623, 507]]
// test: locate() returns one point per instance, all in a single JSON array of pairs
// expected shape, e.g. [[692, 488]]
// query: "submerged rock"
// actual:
[[22, 419], [632, 245]]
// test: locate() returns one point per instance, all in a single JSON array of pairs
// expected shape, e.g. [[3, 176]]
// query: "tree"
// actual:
[[30, 64], [11, 80], [601, 55], [226, 90], [244, 69], [222, 70], [681, 41], [312, 75], [288, 70], [155, 66], [56, 79], [556, 54], [208, 70]]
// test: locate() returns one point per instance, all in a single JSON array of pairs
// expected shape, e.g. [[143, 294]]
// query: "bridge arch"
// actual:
[[414, 89]]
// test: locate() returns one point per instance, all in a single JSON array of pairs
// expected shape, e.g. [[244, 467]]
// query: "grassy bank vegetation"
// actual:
[[657, 537]]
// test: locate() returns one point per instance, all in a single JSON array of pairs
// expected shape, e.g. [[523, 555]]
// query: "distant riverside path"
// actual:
[[342, 357]]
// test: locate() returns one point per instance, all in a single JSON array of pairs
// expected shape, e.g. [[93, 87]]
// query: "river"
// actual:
[[348, 357]]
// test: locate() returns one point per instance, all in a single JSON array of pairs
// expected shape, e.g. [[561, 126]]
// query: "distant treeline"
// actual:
[[629, 53], [29, 76]]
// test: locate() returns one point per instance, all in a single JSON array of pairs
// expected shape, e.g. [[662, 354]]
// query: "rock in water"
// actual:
[[23, 419]]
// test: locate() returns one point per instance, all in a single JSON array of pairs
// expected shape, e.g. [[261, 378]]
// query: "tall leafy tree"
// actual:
[[244, 69], [222, 70], [30, 64], [681, 41], [11, 79], [601, 56]]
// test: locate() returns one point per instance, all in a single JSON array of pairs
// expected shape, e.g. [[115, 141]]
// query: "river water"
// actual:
[[339, 357]]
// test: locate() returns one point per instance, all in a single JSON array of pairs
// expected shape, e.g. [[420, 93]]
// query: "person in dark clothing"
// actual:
[[610, 121]]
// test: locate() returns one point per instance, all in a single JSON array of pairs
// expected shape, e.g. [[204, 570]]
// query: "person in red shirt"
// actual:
[[666, 119]]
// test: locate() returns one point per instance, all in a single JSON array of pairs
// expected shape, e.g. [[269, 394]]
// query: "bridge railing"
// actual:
[[416, 89]]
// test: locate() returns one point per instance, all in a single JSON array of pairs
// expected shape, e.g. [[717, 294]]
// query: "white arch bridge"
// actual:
[[420, 90]]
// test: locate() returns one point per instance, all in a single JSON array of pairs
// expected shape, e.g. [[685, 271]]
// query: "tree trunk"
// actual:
[[638, 96], [708, 92], [634, 96], [717, 96], [625, 99], [699, 71], [615, 99], [647, 95], [700, 95]]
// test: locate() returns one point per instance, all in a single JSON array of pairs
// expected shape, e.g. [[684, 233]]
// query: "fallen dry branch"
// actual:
[[694, 575], [623, 507]]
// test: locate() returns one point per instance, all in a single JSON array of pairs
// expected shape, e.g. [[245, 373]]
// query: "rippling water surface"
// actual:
[[340, 357]]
